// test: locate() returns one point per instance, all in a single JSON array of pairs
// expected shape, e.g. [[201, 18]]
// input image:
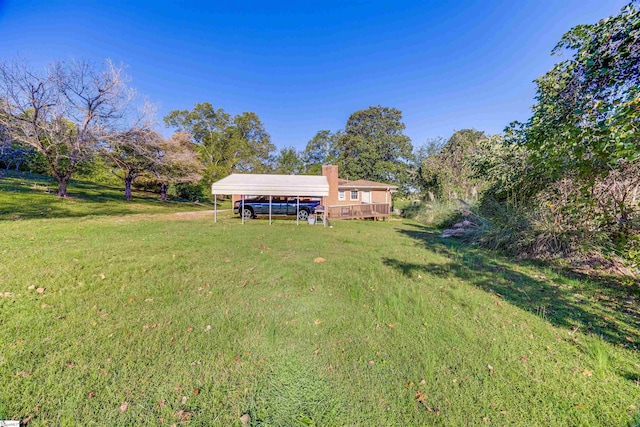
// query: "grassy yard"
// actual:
[[25, 196], [146, 320]]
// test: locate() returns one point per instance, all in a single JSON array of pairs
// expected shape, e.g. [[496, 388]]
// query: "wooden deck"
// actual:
[[359, 211]]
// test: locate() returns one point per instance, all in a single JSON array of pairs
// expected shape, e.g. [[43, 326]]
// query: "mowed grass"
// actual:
[[28, 196], [152, 322]]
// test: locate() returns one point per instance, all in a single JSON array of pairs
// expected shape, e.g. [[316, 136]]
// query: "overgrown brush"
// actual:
[[436, 212], [554, 225]]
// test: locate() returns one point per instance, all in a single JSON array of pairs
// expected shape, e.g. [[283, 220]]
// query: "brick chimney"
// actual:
[[331, 172]]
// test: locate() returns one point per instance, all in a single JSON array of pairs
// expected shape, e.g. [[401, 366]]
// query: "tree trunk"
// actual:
[[62, 186], [127, 188], [163, 191]]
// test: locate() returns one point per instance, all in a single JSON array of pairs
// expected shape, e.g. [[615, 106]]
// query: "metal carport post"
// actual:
[[324, 214]]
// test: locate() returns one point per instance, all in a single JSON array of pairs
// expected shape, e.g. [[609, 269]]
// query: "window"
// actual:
[[353, 195], [341, 195]]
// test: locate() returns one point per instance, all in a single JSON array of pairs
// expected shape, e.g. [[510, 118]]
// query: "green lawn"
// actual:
[[146, 320], [25, 196]]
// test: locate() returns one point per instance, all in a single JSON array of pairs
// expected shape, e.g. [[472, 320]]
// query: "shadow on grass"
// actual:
[[601, 306], [28, 196]]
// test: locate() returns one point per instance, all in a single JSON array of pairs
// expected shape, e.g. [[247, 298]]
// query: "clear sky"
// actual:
[[306, 65]]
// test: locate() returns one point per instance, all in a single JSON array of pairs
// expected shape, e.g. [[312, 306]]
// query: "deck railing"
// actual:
[[362, 210]]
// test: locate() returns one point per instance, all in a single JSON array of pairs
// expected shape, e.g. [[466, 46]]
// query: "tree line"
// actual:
[[76, 117]]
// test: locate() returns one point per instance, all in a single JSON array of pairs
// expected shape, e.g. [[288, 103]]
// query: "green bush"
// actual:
[[191, 192]]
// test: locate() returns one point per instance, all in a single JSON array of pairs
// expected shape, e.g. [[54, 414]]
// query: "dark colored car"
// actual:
[[255, 206]]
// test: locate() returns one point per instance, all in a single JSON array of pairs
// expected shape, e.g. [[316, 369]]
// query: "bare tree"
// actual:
[[63, 111], [177, 162], [132, 152]]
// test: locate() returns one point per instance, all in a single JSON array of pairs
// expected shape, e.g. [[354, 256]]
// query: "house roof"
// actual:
[[364, 184], [272, 185]]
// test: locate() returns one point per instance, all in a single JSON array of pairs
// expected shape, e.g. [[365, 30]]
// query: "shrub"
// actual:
[[190, 191]]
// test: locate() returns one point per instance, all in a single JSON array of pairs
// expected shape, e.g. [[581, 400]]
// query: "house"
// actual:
[[341, 198], [356, 199]]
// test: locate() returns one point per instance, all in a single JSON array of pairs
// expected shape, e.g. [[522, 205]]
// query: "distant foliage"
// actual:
[[374, 147], [14, 155], [288, 162], [176, 164], [444, 172], [320, 150], [225, 144]]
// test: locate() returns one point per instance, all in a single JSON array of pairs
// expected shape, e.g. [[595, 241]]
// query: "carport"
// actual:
[[271, 185]]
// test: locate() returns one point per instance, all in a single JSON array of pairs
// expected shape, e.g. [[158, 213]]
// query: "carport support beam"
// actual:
[[215, 208], [270, 197], [324, 214], [242, 213], [297, 210]]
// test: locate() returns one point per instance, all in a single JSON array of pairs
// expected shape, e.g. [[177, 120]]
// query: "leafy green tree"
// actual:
[[447, 173], [586, 119], [288, 162], [208, 128], [374, 147], [224, 144], [320, 150], [505, 167], [421, 154], [250, 145]]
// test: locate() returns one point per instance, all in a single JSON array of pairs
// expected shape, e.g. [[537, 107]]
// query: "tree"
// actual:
[[176, 162], [374, 147], [132, 152], [224, 144], [447, 173], [587, 115], [288, 162], [567, 180], [585, 124], [320, 150], [63, 111], [250, 144], [422, 153]]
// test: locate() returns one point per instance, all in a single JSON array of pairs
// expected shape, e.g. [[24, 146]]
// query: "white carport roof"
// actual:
[[272, 185]]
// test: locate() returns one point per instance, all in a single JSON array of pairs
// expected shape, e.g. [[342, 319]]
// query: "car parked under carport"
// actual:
[[280, 205], [298, 187]]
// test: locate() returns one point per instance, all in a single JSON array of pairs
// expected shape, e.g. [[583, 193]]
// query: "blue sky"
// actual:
[[303, 66]]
